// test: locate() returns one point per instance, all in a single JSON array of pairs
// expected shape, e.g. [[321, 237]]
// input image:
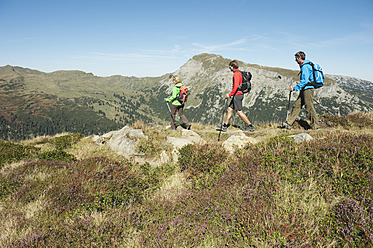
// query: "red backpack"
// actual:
[[183, 94]]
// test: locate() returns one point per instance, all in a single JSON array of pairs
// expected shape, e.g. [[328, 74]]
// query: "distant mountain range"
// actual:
[[37, 103]]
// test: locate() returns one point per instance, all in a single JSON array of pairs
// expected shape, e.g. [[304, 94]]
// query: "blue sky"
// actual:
[[152, 38]]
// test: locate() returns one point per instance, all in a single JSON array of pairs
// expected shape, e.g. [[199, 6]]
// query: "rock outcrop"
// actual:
[[238, 141], [125, 141]]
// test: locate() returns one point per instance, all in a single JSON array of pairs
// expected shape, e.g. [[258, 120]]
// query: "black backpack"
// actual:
[[318, 75], [245, 87]]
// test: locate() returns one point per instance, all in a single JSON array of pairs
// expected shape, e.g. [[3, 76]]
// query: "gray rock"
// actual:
[[192, 136], [99, 140], [187, 137], [238, 141], [164, 158], [125, 141], [179, 142], [301, 137]]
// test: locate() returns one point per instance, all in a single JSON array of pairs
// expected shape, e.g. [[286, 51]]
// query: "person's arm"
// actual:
[[304, 78], [237, 78], [175, 93]]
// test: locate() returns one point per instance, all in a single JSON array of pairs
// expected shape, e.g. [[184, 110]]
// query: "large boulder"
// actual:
[[187, 137], [178, 143], [125, 141], [192, 136], [238, 141]]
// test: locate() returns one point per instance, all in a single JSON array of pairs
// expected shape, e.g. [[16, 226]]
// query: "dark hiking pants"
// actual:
[[178, 109]]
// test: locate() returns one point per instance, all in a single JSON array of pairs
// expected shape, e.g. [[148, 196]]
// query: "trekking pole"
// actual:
[[172, 118], [287, 111], [330, 113], [288, 108], [222, 118]]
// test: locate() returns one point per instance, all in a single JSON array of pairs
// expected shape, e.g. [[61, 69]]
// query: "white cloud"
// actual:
[[219, 47], [123, 56]]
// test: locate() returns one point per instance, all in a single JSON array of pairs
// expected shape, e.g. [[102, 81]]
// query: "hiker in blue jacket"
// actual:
[[306, 93]]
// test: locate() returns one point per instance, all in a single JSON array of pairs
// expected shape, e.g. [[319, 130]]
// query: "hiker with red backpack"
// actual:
[[236, 102], [311, 78], [178, 100]]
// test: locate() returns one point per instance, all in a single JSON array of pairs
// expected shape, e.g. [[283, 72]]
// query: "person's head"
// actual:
[[300, 57], [176, 79], [233, 65]]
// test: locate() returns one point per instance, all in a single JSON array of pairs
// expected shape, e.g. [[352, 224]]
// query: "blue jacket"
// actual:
[[305, 77]]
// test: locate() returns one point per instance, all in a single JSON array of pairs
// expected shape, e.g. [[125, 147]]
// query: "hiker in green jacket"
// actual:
[[176, 105]]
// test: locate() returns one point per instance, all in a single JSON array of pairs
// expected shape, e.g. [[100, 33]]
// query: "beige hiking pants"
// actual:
[[305, 98]]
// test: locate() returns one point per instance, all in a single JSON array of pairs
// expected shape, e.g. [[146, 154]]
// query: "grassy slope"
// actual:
[[67, 191]]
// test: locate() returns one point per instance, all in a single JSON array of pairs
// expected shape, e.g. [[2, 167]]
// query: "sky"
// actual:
[[150, 38]]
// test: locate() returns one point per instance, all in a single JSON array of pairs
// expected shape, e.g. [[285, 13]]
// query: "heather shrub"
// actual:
[[352, 222], [150, 147], [338, 161], [31, 179], [357, 120], [7, 187], [187, 222], [276, 194], [155, 143], [57, 155], [203, 163], [75, 189], [216, 216], [66, 141], [11, 152], [86, 230], [201, 158], [110, 184], [340, 164]]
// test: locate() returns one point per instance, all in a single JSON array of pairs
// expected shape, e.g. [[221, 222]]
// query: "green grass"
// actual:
[[276, 193]]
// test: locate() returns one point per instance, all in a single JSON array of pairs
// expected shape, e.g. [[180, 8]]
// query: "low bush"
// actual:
[[11, 152], [57, 155], [66, 141], [203, 163], [354, 120]]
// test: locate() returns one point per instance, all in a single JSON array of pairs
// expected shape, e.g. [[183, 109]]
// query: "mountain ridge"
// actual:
[[28, 94]]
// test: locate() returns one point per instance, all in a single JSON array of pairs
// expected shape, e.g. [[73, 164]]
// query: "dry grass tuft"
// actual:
[[172, 187], [87, 148]]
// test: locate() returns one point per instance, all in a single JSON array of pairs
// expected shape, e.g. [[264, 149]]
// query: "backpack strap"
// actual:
[[238, 84], [313, 73]]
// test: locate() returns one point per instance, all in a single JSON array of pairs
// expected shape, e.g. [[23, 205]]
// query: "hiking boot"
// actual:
[[219, 126], [222, 128], [186, 126], [248, 128], [286, 125]]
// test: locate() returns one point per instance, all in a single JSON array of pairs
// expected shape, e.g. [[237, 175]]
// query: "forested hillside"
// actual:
[[35, 103]]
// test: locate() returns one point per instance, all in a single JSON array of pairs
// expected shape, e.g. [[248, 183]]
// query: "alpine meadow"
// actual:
[[87, 161]]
